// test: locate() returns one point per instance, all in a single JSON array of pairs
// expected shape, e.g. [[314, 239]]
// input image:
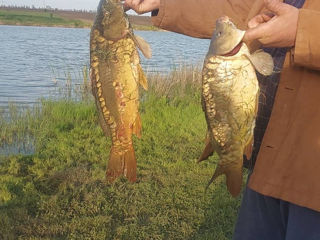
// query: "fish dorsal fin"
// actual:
[[143, 46], [142, 78], [262, 62]]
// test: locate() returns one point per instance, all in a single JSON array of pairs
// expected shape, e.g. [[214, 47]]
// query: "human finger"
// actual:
[[133, 4], [261, 18], [143, 6], [276, 6], [258, 32], [126, 7]]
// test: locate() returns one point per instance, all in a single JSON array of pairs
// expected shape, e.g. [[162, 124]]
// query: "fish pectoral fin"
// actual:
[[203, 104], [262, 62], [248, 149], [142, 78], [136, 129], [143, 46], [207, 152]]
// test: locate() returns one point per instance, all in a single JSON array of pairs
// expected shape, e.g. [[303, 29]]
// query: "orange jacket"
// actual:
[[288, 164]]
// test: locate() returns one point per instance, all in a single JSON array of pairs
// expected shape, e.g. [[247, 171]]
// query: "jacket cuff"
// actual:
[[307, 45], [157, 16], [165, 15]]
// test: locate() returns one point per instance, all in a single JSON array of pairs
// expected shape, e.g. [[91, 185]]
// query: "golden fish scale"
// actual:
[[230, 91], [114, 69]]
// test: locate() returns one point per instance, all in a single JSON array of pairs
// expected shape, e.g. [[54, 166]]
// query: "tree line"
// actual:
[[46, 8]]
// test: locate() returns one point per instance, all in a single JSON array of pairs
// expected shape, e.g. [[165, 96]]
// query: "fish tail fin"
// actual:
[[207, 151], [130, 165], [233, 178], [136, 129], [115, 166], [122, 164], [234, 181]]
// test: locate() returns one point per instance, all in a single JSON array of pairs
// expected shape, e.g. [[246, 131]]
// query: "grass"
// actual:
[[10, 17], [145, 27], [59, 191]]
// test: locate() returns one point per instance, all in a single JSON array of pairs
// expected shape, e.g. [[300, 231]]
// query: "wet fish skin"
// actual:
[[116, 73], [230, 92]]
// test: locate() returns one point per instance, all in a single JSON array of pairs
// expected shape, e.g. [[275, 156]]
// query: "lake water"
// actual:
[[36, 61]]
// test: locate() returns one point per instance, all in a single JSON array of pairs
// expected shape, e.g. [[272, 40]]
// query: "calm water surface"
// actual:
[[36, 61]]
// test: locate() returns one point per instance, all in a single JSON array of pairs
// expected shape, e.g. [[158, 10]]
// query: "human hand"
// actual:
[[275, 29], [142, 6]]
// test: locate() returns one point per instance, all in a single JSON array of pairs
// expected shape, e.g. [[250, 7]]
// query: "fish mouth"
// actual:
[[234, 51]]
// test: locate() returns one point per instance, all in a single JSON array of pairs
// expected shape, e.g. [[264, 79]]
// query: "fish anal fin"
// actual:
[[136, 128], [207, 152], [262, 62], [122, 164], [142, 78], [143, 46], [219, 171]]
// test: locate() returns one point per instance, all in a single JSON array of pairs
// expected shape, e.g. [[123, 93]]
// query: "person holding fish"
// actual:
[[282, 196]]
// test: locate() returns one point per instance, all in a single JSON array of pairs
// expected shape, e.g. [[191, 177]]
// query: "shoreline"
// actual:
[[64, 19], [139, 28], [41, 25]]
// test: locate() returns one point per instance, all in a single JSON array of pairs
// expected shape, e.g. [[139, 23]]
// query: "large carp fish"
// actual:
[[230, 92], [116, 73]]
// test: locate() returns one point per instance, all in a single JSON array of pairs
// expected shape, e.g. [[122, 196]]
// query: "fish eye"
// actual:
[[219, 34]]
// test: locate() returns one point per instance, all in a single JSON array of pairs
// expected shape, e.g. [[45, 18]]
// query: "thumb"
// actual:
[[275, 6]]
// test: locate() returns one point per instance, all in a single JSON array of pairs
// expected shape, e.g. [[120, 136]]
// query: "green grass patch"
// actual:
[[10, 17], [144, 27], [59, 191]]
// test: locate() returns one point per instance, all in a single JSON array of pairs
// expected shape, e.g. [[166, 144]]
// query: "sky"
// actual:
[[61, 4]]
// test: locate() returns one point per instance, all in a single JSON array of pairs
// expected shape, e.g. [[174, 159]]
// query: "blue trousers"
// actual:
[[267, 218]]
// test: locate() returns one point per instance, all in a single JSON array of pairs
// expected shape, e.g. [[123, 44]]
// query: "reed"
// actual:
[[182, 81]]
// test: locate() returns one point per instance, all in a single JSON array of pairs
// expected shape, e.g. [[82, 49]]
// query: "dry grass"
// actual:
[[178, 82]]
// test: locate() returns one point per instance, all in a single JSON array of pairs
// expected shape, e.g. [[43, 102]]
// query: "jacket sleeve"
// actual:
[[197, 18], [307, 46]]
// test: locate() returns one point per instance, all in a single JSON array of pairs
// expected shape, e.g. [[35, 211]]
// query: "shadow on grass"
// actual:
[[77, 203], [219, 215]]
